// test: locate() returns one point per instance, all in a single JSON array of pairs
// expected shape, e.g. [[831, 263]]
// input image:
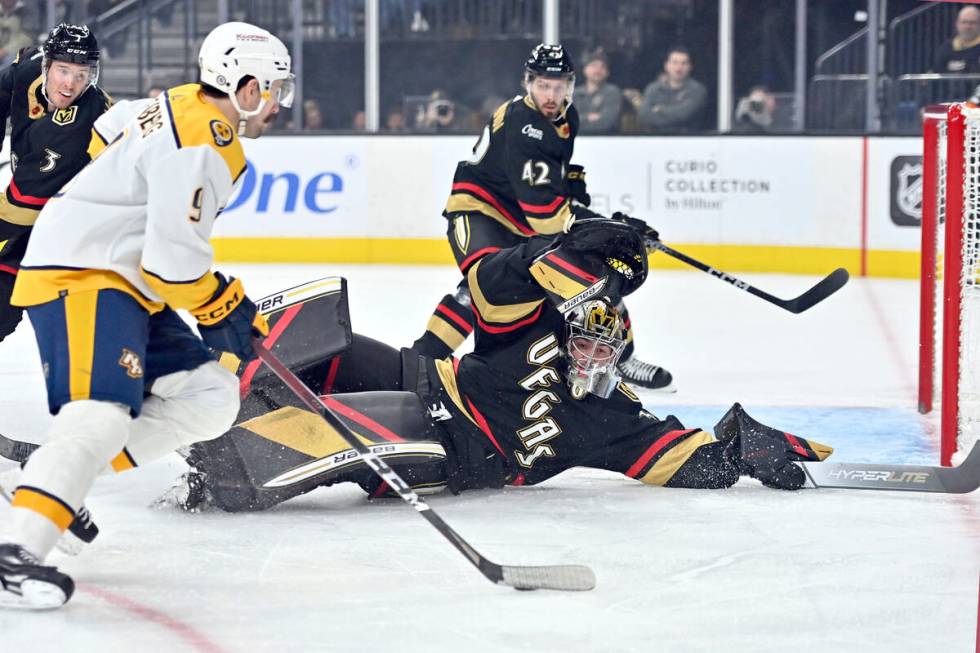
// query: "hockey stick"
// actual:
[[554, 577], [824, 289], [909, 478], [16, 450]]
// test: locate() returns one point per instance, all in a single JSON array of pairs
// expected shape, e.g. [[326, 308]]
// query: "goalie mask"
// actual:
[[595, 337]]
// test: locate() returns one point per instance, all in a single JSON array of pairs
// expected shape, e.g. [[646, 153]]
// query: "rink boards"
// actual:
[[768, 204], [779, 204]]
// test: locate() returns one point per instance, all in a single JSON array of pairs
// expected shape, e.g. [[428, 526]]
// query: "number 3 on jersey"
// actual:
[[536, 173]]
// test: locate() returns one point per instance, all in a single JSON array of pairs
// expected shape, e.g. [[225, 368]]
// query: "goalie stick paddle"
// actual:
[[553, 577], [961, 479], [824, 288]]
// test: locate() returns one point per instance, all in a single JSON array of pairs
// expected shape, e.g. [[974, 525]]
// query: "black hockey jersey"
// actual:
[[510, 395], [47, 147], [517, 172]]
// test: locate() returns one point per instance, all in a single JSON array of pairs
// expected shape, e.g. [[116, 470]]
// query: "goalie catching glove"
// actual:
[[648, 233], [609, 245], [229, 320]]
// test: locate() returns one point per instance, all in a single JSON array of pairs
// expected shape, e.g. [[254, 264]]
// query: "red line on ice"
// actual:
[[188, 633]]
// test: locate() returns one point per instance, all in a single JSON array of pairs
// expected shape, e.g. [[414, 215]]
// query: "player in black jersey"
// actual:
[[50, 96], [538, 395], [518, 183]]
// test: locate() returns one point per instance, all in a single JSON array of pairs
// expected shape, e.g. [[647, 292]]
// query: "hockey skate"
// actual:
[[646, 375], [80, 532], [27, 584]]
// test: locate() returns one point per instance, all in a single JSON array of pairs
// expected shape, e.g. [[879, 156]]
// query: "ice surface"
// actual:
[[746, 569]]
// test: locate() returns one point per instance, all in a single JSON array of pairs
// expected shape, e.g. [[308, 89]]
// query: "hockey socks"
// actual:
[[451, 323]]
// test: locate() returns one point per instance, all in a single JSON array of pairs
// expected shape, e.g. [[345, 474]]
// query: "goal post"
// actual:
[[950, 287]]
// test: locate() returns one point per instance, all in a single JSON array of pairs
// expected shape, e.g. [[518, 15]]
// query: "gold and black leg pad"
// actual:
[[290, 451]]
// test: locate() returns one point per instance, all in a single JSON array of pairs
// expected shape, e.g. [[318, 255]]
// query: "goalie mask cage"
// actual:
[[949, 329]]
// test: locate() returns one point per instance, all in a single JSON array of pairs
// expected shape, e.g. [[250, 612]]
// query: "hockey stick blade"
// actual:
[[824, 288], [909, 478], [553, 577], [16, 450]]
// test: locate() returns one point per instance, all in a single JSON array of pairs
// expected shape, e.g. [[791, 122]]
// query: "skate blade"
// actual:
[[35, 595]]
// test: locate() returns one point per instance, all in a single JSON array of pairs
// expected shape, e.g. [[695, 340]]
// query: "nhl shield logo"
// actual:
[[223, 135], [64, 116], [906, 191], [909, 192]]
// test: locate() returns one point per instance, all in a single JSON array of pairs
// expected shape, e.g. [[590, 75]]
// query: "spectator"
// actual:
[[488, 106], [675, 101], [961, 53], [753, 114], [12, 34], [342, 18], [443, 115], [154, 91], [599, 102], [312, 115], [359, 123], [395, 121]]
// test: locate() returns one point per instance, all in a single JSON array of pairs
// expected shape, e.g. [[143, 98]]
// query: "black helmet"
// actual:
[[549, 61], [72, 43]]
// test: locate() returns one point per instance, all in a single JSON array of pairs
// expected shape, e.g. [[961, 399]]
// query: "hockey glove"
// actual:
[[765, 453], [648, 233], [9, 315], [575, 180], [611, 248], [229, 320]]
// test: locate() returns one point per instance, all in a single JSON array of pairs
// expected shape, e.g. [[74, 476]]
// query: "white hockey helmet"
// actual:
[[236, 50]]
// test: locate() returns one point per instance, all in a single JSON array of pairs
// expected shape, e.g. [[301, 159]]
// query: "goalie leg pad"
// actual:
[[765, 453], [290, 451]]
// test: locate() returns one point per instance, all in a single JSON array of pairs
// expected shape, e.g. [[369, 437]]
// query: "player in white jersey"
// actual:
[[112, 256]]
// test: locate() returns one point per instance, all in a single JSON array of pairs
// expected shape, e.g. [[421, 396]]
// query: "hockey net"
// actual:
[[949, 364]]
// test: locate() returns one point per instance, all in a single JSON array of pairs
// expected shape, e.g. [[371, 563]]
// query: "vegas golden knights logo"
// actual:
[[64, 116], [131, 361], [601, 320], [461, 231]]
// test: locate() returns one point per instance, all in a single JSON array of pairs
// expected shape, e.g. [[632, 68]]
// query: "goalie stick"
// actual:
[[554, 577], [961, 479], [824, 288]]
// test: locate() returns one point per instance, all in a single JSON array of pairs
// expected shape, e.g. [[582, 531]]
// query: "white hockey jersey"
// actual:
[[139, 217]]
